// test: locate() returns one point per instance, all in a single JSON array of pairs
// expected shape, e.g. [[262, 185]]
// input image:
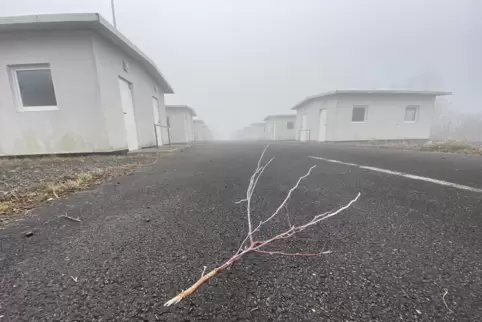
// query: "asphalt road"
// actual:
[[144, 237]]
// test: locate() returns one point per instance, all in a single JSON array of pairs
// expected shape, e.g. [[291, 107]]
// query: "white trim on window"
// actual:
[[364, 115], [417, 109], [13, 69]]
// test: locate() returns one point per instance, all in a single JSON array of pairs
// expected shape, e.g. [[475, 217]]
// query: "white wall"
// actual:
[[78, 124], [384, 119], [282, 133], [201, 132], [85, 70], [109, 62], [312, 111], [179, 133]]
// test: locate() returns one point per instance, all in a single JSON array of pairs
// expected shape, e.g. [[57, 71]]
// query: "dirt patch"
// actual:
[[25, 183]]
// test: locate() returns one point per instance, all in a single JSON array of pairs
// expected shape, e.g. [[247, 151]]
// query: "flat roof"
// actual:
[[279, 116], [371, 92], [182, 107], [91, 21]]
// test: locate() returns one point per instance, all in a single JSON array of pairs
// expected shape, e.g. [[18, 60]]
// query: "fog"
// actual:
[[237, 61]]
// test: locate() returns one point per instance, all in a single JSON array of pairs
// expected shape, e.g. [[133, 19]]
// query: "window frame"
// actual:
[[417, 108], [292, 127], [13, 69], [365, 115]]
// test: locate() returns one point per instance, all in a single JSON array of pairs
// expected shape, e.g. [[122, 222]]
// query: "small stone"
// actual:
[[28, 234], [147, 219]]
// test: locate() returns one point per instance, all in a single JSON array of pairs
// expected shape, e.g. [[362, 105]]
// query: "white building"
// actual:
[[71, 83], [243, 134], [257, 131], [360, 115], [179, 119], [280, 127], [202, 132]]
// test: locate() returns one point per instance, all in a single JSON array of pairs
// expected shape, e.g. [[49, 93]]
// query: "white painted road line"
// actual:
[[406, 175]]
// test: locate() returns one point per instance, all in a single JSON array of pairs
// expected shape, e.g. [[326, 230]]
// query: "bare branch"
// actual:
[[283, 203], [293, 254], [251, 189], [254, 246]]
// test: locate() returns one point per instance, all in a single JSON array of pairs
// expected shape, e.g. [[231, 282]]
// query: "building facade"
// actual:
[[202, 133], [71, 83], [366, 115], [280, 127], [180, 122]]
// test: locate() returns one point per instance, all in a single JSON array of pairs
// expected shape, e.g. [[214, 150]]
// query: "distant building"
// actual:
[[179, 119], [244, 134], [280, 127], [362, 115], [202, 132], [257, 131], [72, 83]]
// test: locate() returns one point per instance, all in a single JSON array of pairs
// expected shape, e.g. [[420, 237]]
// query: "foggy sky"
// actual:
[[236, 61]]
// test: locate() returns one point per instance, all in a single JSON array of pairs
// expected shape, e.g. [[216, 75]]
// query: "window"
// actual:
[[33, 87], [359, 114], [290, 125], [411, 113]]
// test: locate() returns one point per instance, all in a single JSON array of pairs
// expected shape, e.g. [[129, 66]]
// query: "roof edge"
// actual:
[[187, 107], [92, 21], [279, 116], [368, 92]]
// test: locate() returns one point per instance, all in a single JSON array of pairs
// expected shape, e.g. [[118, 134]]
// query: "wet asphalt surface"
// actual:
[[144, 237]]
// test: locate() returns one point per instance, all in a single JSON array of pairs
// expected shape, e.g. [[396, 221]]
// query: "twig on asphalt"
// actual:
[[74, 278], [255, 309], [443, 298], [71, 218], [55, 194], [204, 271], [255, 246]]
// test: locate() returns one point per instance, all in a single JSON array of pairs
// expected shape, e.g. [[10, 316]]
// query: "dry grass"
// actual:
[[452, 147], [14, 202]]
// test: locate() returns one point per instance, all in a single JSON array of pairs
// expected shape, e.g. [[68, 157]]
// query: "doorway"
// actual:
[[155, 110], [128, 111], [322, 126]]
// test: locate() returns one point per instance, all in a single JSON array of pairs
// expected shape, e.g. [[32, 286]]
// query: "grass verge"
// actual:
[[14, 202], [452, 147]]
